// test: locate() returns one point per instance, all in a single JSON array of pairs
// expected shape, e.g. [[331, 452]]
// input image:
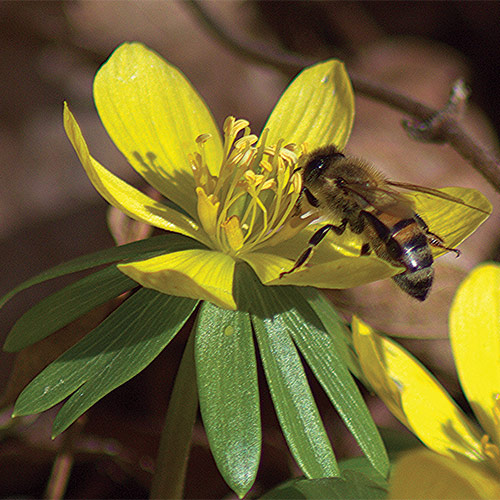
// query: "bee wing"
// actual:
[[434, 192], [383, 198], [460, 213]]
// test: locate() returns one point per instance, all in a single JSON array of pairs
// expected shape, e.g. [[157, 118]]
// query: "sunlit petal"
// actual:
[[414, 396], [317, 108], [341, 272], [422, 474], [198, 274], [267, 266], [123, 196], [475, 340], [154, 115], [451, 221]]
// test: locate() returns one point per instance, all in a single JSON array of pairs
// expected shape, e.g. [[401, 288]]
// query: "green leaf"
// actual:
[[229, 396], [175, 443], [361, 464], [284, 311], [322, 354], [119, 348], [352, 485], [295, 406], [335, 326], [64, 306], [164, 243]]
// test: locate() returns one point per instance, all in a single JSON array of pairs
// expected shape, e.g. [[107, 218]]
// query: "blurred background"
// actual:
[[49, 212]]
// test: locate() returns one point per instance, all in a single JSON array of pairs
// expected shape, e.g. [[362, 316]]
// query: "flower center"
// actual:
[[254, 193]]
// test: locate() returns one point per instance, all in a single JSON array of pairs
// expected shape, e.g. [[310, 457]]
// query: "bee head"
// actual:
[[315, 164]]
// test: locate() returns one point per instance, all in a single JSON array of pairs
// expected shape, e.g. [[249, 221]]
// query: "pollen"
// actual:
[[253, 194]]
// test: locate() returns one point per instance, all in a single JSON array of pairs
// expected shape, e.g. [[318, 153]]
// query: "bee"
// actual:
[[351, 190]]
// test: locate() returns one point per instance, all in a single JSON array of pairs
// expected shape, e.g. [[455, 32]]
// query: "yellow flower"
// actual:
[[235, 194], [421, 403]]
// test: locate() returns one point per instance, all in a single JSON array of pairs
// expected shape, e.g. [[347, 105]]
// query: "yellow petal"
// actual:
[[288, 238], [413, 395], [336, 261], [451, 221], [267, 266], [421, 474], [154, 116], [317, 108], [475, 340], [198, 274], [341, 272], [121, 195]]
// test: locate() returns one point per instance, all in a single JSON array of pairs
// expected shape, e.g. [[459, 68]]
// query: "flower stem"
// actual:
[[61, 469], [175, 442]]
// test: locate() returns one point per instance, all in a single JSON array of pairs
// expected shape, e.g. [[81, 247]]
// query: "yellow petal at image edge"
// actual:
[[197, 274], [422, 474], [317, 108], [154, 115], [123, 196], [475, 341], [413, 395]]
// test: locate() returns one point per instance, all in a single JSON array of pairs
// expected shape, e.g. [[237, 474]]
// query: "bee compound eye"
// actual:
[[316, 164]]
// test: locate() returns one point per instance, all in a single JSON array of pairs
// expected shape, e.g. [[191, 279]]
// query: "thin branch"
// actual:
[[450, 131], [257, 52]]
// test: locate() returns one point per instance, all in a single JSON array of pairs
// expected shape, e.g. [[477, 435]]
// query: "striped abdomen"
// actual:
[[405, 242]]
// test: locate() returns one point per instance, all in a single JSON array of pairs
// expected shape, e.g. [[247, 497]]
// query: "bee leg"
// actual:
[[365, 249], [433, 239], [310, 198], [316, 238]]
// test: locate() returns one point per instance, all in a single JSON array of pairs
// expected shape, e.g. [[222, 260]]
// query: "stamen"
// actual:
[[256, 187], [269, 184], [256, 202], [203, 138], [280, 167], [201, 174], [491, 451], [246, 141], [233, 233], [261, 146], [265, 165]]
